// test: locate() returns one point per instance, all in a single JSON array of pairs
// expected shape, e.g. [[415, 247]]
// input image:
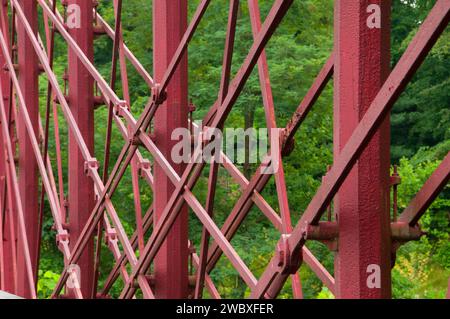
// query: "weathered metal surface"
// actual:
[[28, 174], [81, 196], [273, 278], [171, 263], [359, 176], [362, 63]]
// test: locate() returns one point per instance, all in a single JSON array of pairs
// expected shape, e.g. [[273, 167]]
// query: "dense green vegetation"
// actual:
[[420, 135]]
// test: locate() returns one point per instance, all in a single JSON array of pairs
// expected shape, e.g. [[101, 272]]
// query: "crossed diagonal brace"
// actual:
[[278, 271], [193, 203]]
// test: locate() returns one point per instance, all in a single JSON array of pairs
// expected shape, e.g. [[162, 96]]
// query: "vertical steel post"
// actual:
[[171, 263], [7, 278], [28, 174], [362, 53], [81, 102]]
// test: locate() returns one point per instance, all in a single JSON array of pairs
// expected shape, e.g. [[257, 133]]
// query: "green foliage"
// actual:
[[325, 294], [296, 53], [423, 268], [422, 115], [46, 284]]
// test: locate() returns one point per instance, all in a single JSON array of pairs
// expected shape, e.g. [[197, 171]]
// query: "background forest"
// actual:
[[420, 135]]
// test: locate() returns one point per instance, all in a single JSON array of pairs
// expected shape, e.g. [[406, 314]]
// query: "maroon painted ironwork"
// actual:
[[81, 194], [8, 237], [362, 62], [159, 259], [171, 263], [28, 176]]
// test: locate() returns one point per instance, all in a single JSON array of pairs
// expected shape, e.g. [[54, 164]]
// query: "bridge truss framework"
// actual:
[[155, 261]]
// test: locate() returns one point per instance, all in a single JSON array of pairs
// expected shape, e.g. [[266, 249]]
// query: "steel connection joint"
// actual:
[[288, 261]]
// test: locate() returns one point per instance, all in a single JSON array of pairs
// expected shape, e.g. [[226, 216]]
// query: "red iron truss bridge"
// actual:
[[159, 260]]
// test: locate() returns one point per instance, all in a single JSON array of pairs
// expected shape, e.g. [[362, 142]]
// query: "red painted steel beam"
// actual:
[[362, 57], [427, 194], [276, 273], [111, 240], [269, 110], [193, 170], [24, 114], [92, 168], [13, 185], [7, 276], [214, 168], [171, 262], [81, 94], [28, 175], [128, 150], [128, 54], [258, 181]]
